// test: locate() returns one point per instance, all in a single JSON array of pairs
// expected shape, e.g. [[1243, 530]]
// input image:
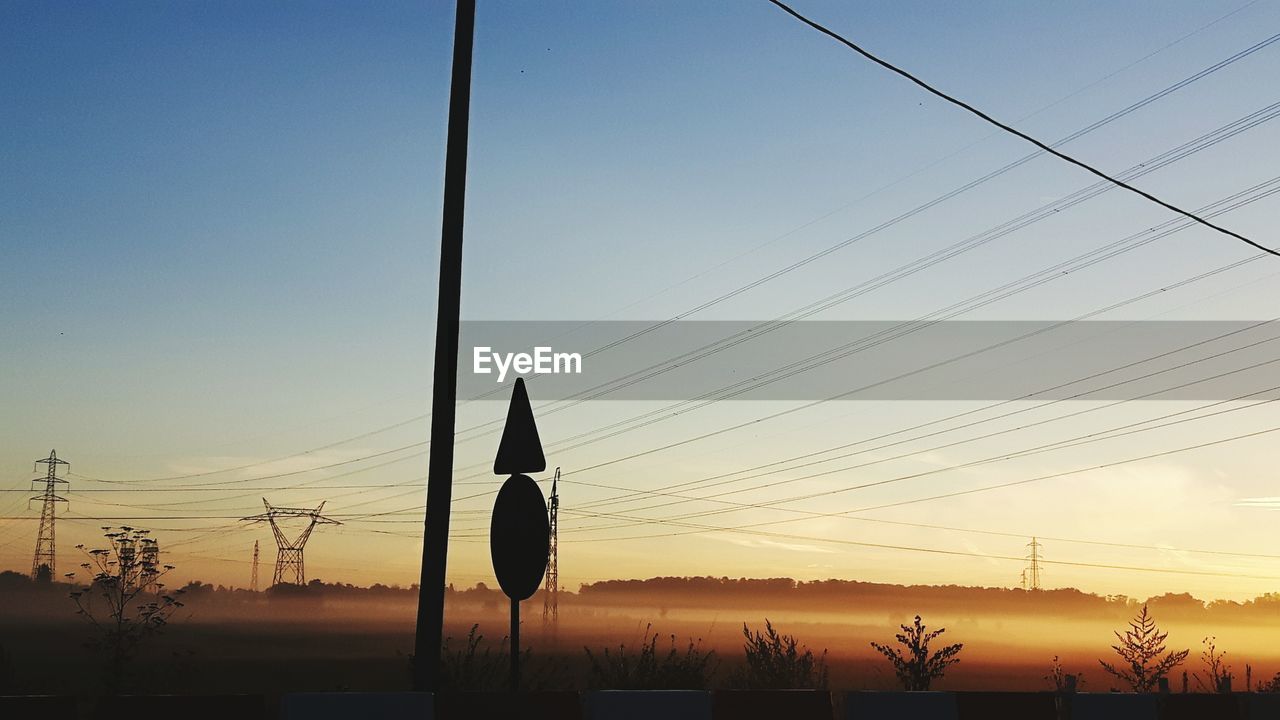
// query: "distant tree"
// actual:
[[44, 574], [117, 605], [11, 581], [778, 662], [650, 669], [916, 668], [1142, 651]]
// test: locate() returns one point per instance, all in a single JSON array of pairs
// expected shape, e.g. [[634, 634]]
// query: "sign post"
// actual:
[[519, 532]]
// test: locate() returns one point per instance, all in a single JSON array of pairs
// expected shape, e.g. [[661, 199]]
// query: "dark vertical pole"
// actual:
[[515, 645], [435, 546]]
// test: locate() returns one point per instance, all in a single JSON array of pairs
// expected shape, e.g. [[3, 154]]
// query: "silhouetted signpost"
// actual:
[[520, 532]]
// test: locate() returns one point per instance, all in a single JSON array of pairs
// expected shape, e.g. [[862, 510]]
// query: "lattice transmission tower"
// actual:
[[551, 598], [289, 566], [253, 573], [1031, 576], [149, 564], [46, 555]]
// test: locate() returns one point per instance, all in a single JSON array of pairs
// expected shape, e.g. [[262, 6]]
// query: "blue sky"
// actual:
[[219, 222]]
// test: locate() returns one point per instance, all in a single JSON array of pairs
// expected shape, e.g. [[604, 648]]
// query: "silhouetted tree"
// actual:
[[777, 661], [44, 574], [121, 574], [916, 668], [1141, 648], [651, 670]]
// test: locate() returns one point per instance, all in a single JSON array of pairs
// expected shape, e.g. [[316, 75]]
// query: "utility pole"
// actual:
[[551, 595], [444, 391], [45, 555], [253, 574], [289, 566], [1031, 577]]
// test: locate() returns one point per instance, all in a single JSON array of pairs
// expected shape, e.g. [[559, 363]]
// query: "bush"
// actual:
[[476, 667], [124, 604], [1141, 648], [471, 668], [777, 662], [1061, 680], [1218, 676], [651, 670], [916, 668]]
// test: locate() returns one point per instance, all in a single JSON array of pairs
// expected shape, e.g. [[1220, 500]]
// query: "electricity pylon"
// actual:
[[289, 567], [1031, 576], [253, 574], [551, 596], [150, 565], [45, 555]]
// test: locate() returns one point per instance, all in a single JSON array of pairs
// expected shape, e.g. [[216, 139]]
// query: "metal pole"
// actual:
[[515, 645], [435, 546]]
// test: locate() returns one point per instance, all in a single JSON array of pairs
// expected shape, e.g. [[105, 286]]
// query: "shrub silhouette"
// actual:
[[916, 668], [1269, 686], [477, 667], [1217, 672], [1061, 680], [122, 576], [1141, 648], [651, 670], [474, 666], [778, 662]]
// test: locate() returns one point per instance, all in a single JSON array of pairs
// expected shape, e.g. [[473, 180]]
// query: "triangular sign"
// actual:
[[520, 450]]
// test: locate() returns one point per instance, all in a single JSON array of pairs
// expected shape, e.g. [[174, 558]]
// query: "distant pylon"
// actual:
[[551, 597], [1031, 576], [253, 574], [149, 572], [45, 551], [289, 567]]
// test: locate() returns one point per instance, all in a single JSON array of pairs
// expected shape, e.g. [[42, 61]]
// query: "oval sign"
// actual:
[[520, 537]]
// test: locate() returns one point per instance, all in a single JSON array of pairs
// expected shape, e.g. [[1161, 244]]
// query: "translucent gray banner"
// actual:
[[871, 360]]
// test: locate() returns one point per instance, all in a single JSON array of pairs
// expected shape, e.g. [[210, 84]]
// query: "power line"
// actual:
[[913, 501], [1043, 146], [1046, 211], [710, 481], [774, 504], [985, 556], [1184, 82], [290, 473], [1090, 437], [911, 326], [1230, 203]]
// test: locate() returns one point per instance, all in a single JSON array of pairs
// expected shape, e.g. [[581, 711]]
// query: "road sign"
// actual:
[[520, 537]]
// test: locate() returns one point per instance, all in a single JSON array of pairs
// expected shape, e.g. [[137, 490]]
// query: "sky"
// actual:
[[219, 236]]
